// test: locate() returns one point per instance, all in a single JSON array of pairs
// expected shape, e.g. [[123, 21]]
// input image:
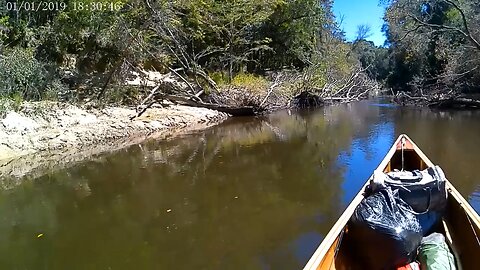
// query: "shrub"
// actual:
[[219, 77], [250, 82], [10, 104], [21, 74]]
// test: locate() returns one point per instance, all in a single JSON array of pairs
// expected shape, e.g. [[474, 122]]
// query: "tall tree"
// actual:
[[440, 39]]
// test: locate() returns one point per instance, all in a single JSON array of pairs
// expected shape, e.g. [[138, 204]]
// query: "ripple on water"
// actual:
[[388, 105], [474, 199]]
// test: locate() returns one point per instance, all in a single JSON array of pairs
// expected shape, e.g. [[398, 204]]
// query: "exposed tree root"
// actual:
[[307, 99]]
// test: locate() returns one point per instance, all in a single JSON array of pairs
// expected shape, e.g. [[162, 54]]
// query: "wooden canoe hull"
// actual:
[[461, 223]]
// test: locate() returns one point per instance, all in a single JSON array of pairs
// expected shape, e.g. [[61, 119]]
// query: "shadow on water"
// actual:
[[252, 193]]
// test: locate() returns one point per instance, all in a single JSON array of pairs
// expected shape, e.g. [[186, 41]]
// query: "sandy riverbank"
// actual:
[[47, 135]]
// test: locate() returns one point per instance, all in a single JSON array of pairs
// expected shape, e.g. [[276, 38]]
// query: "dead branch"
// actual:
[[457, 103], [142, 110], [234, 111], [271, 89], [165, 65]]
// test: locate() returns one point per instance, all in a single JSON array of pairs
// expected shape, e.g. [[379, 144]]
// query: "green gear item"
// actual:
[[434, 253]]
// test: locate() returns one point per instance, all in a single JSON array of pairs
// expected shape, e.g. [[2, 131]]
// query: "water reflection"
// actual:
[[364, 154], [450, 139], [252, 193]]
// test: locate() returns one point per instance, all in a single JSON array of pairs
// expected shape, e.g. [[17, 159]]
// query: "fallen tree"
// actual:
[[455, 103], [233, 100], [285, 90], [443, 101], [353, 87], [190, 101], [157, 96]]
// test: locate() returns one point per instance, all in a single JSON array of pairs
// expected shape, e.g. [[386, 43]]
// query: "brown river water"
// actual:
[[251, 193]]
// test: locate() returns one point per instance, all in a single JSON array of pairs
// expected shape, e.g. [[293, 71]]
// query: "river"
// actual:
[[251, 193]]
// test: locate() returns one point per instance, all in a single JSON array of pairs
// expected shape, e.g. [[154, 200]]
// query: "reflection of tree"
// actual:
[[281, 171], [239, 195]]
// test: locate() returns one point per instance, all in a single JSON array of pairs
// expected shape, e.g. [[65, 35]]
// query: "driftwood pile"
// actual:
[[307, 99], [442, 102], [286, 90], [234, 101], [165, 91]]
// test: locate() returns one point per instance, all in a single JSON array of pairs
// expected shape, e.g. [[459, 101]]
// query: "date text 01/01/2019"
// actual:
[[59, 6]]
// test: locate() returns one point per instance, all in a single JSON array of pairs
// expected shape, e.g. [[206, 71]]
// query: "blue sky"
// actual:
[[358, 12]]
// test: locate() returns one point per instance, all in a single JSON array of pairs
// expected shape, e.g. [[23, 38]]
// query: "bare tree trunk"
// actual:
[[109, 78]]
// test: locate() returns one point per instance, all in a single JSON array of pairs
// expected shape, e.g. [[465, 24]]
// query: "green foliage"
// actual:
[[226, 34], [232, 41], [20, 72], [292, 27], [372, 58], [4, 24], [97, 38], [250, 82], [432, 50], [12, 103], [21, 75], [219, 77]]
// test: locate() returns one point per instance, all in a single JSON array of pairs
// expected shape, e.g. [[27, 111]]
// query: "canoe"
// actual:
[[460, 223]]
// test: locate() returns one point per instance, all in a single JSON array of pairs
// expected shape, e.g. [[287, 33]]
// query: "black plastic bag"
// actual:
[[429, 221], [423, 190], [385, 231]]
